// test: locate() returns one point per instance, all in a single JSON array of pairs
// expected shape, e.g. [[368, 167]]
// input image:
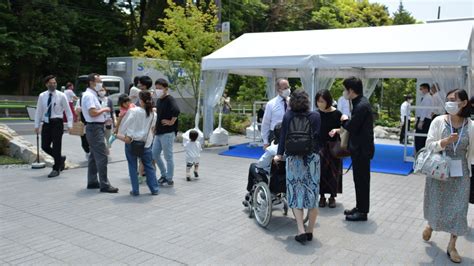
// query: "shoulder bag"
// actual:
[[138, 146], [432, 164]]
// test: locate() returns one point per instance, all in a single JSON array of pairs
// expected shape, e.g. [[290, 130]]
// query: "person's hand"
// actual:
[[105, 110], [265, 146], [420, 125], [344, 118], [67, 129], [37, 130], [278, 158], [453, 138], [333, 132], [166, 122], [115, 131]]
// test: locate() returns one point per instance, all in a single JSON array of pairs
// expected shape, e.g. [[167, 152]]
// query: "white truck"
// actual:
[[129, 67], [114, 85]]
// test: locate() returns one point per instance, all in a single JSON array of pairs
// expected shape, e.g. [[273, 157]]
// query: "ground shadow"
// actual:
[[470, 236], [329, 212], [439, 256], [129, 199], [86, 193], [366, 228]]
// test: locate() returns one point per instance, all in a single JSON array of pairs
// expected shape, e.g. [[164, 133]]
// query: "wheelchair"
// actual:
[[264, 195]]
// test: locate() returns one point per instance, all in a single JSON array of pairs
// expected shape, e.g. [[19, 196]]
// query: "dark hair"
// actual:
[[123, 98], [69, 84], [48, 78], [146, 80], [326, 95], [135, 80], [425, 85], [162, 82], [130, 86], [299, 101], [145, 96], [276, 132], [354, 84], [408, 97], [193, 135], [91, 77], [462, 95]]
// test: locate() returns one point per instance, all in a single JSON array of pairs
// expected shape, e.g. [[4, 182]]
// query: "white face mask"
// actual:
[[98, 87], [159, 93], [452, 108], [285, 93], [101, 93], [345, 94]]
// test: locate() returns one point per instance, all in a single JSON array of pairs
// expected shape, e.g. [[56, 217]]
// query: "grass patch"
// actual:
[[9, 160], [13, 118]]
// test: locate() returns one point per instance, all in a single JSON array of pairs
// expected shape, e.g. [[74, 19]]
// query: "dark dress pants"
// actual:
[[406, 126], [420, 142], [52, 133], [255, 175], [361, 172], [97, 164]]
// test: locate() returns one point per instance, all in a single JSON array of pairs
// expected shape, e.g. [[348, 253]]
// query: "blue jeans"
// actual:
[[164, 143], [149, 170]]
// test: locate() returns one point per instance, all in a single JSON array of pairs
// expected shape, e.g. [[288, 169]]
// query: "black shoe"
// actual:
[[154, 193], [356, 217], [350, 212], [134, 194], [93, 186], [109, 189], [188, 178], [170, 183], [53, 173], [245, 203], [309, 236], [196, 175], [301, 238], [63, 163], [322, 202], [162, 180]]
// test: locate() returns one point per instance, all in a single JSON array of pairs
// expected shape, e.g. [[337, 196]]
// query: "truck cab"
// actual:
[[114, 86]]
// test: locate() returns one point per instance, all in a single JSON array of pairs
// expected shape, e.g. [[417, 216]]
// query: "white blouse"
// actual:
[[433, 142], [137, 125]]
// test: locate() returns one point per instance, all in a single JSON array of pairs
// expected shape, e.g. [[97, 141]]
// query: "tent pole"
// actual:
[[313, 87]]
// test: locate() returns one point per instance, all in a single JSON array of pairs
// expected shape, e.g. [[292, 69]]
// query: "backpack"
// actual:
[[299, 137]]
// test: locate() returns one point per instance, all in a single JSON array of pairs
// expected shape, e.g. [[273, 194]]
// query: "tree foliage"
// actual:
[[188, 34], [402, 16]]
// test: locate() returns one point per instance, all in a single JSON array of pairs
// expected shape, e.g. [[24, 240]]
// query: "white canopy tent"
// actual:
[[319, 56]]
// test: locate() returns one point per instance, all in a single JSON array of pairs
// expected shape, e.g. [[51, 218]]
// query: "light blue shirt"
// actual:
[[265, 162]]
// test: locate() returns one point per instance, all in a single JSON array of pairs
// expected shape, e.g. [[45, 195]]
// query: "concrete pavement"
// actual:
[[58, 221]]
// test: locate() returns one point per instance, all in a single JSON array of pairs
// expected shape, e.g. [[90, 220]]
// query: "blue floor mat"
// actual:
[[388, 158]]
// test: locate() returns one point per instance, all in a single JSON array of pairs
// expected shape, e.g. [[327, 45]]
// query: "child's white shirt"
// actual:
[[193, 151]]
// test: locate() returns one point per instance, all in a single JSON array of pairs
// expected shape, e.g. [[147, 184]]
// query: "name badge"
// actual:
[[46, 119], [455, 168]]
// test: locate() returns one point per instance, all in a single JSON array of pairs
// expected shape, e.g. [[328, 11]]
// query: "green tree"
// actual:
[[188, 34], [402, 16], [252, 89]]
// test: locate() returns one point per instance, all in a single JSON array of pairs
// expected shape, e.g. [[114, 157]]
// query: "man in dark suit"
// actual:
[[361, 146]]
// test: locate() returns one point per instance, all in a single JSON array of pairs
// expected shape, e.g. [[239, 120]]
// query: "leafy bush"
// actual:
[[386, 121], [3, 145]]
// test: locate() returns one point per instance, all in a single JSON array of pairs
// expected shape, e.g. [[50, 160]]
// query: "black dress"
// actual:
[[331, 167]]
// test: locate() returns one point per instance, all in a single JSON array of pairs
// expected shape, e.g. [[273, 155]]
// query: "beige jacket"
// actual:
[[433, 142]]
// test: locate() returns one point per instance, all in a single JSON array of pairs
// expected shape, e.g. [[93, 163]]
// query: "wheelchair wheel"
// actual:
[[262, 204]]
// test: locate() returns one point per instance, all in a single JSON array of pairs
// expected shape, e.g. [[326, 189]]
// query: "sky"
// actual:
[[424, 10]]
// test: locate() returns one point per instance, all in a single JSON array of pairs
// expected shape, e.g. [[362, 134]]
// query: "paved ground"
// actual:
[[58, 221]]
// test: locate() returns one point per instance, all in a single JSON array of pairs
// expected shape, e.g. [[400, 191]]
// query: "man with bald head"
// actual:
[[274, 111]]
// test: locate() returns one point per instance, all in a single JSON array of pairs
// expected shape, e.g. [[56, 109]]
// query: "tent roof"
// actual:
[[404, 46]]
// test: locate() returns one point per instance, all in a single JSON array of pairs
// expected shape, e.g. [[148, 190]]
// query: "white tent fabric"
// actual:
[[403, 51]]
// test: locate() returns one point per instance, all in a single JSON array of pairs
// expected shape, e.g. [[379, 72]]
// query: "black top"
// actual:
[[166, 108], [260, 114], [329, 121], [361, 128], [315, 121]]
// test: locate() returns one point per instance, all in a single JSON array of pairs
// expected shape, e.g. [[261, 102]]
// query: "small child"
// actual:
[[125, 104], [193, 153]]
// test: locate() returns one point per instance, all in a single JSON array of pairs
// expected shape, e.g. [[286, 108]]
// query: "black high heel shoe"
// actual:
[[302, 238]]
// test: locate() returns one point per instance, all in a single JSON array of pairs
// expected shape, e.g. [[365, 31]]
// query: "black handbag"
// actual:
[[138, 146]]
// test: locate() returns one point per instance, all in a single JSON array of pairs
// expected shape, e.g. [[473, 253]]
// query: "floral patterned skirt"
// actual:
[[302, 181]]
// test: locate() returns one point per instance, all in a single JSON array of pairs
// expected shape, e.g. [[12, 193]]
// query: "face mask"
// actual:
[[159, 93], [98, 86], [345, 94], [285, 93], [452, 108], [52, 87], [101, 93]]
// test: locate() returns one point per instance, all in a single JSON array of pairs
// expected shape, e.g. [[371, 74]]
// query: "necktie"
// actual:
[[48, 113], [284, 104]]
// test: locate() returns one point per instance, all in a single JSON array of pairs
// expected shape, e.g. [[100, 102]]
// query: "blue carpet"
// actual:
[[388, 158]]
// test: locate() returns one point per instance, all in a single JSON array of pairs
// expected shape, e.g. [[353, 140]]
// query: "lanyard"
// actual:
[[455, 146]]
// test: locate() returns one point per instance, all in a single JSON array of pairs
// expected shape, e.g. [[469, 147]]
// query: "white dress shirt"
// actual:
[[426, 101], [405, 111], [70, 95], [91, 100], [193, 151], [344, 106], [274, 111], [136, 125], [59, 105], [265, 161]]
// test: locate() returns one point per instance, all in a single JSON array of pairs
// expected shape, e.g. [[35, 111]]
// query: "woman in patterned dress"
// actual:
[[445, 203], [302, 172]]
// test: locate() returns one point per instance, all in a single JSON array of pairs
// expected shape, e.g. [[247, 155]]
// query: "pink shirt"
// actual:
[[123, 111]]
